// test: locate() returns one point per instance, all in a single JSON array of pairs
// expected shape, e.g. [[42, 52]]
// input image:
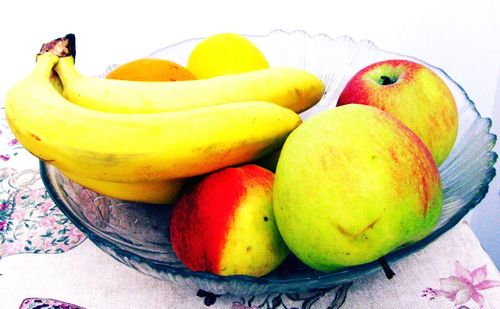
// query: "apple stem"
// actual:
[[386, 80], [389, 273]]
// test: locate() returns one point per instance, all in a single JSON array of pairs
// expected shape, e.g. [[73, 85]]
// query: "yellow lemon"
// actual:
[[225, 53]]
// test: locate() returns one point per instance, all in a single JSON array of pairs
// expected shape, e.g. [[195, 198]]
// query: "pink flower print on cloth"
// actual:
[[35, 303], [9, 146], [464, 286], [30, 222]]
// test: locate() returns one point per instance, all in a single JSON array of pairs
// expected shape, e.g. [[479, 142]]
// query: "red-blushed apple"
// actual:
[[414, 94], [352, 184], [224, 224]]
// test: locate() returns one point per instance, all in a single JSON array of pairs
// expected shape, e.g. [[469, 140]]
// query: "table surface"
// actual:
[[459, 37]]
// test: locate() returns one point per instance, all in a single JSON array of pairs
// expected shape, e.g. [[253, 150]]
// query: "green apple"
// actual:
[[352, 184], [415, 95], [224, 224]]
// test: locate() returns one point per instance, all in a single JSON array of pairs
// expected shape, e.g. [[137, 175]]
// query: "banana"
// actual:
[[292, 88], [152, 192], [135, 148]]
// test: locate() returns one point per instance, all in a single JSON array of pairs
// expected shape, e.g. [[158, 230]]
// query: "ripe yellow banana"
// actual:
[[140, 147], [153, 192], [293, 88]]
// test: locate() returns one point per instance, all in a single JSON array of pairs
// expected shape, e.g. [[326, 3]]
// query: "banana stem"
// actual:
[[61, 47]]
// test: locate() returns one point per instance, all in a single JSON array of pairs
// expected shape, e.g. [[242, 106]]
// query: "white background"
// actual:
[[461, 37]]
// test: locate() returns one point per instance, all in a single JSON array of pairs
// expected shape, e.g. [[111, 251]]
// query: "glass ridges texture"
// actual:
[[137, 235]]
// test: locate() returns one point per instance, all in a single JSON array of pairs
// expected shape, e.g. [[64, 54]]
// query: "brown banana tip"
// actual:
[[61, 47]]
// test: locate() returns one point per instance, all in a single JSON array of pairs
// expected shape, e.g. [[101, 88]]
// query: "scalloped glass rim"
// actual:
[[477, 128]]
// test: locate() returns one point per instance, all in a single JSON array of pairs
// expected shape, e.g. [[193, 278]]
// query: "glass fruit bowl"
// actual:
[[137, 234]]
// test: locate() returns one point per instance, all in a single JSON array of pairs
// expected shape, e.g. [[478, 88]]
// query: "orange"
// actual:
[[151, 69]]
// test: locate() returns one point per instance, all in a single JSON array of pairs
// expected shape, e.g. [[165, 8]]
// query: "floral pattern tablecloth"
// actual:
[[46, 262]]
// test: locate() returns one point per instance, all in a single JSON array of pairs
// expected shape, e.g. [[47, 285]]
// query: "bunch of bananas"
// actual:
[[139, 141]]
